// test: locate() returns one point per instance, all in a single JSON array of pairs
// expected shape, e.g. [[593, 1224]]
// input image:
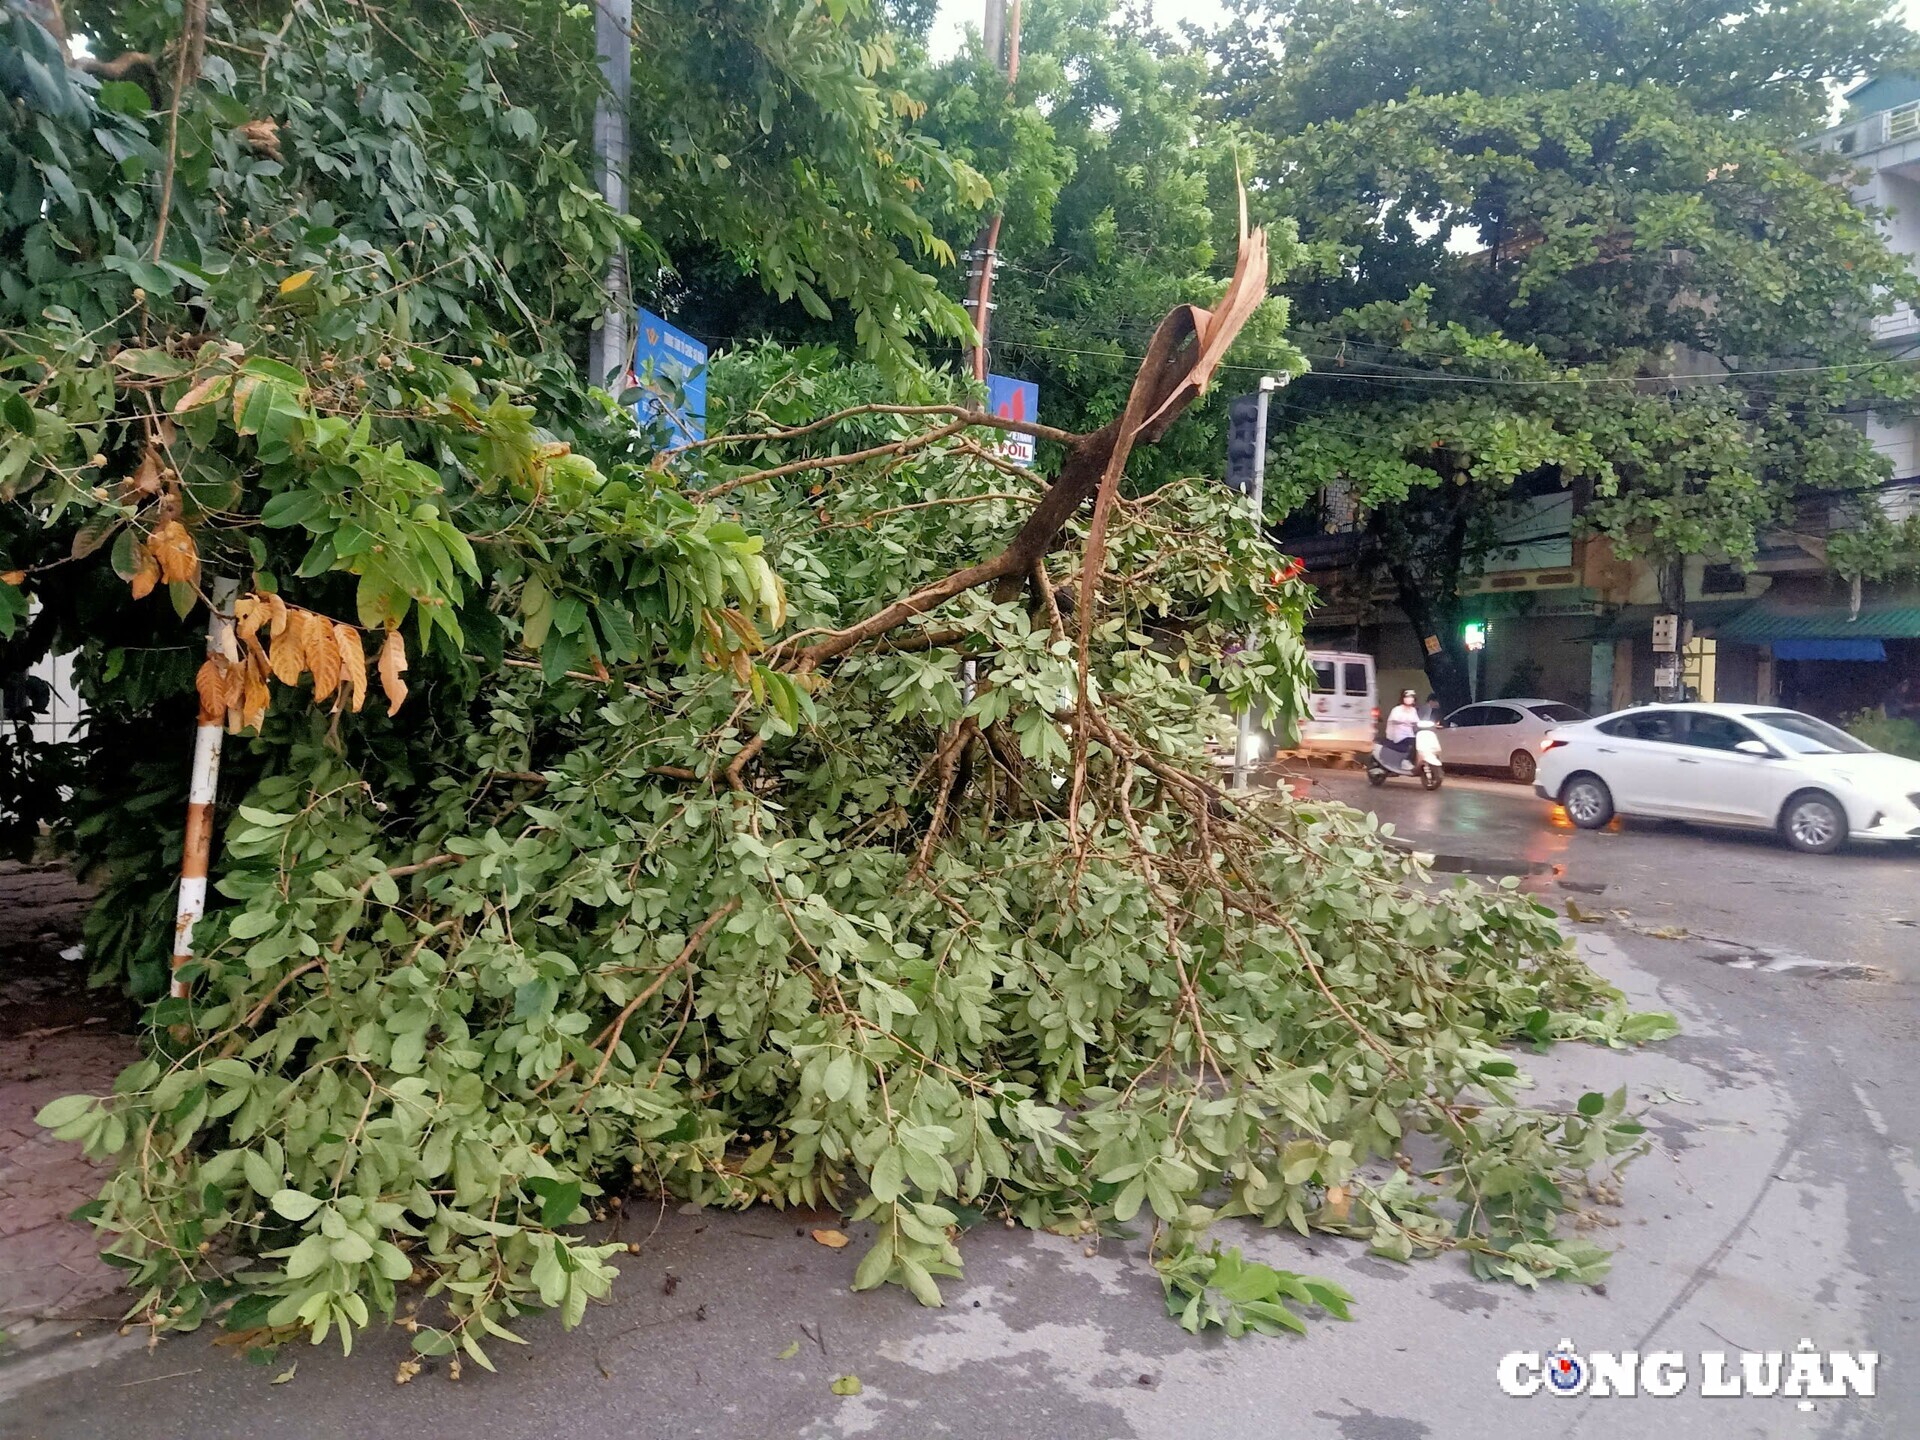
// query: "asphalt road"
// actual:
[[1783, 1202]]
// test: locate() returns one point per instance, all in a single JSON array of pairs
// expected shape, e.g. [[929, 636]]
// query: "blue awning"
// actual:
[[1829, 649]]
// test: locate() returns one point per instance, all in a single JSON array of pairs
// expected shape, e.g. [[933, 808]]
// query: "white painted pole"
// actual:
[[1243, 741], [196, 850]]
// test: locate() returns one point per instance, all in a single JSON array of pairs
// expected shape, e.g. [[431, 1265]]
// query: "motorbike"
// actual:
[[1422, 761]]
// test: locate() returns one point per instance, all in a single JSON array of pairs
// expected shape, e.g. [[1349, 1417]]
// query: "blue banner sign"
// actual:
[[1014, 400], [671, 366]]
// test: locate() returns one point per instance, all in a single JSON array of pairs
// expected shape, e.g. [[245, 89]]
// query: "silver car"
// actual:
[[1503, 734]]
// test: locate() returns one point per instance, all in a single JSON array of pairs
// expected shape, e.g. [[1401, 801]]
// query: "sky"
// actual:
[[955, 15]]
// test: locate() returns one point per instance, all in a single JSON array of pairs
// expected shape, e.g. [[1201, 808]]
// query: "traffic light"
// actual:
[[1242, 440]]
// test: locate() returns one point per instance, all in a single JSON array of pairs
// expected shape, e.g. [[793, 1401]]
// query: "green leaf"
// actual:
[[155, 363], [271, 369], [293, 507], [838, 1079], [559, 1199], [15, 410], [263, 1177], [123, 97], [295, 1205], [58, 1113]]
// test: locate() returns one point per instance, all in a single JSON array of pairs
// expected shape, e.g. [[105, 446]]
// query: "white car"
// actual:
[[1503, 734], [1756, 766]]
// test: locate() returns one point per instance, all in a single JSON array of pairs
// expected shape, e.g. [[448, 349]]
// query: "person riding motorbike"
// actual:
[[1403, 723]]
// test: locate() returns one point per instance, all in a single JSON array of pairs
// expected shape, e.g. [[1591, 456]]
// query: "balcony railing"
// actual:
[[1897, 324], [1903, 122]]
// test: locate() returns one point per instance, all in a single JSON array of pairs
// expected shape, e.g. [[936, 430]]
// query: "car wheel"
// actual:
[[1588, 802], [1814, 823], [1520, 766]]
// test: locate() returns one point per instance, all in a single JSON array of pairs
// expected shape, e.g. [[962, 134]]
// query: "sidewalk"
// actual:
[[56, 1038]]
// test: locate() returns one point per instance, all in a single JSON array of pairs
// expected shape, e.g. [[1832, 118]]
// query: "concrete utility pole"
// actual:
[[1000, 31], [610, 350], [1243, 742]]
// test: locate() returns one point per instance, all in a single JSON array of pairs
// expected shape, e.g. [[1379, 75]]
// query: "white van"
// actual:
[[1344, 712]]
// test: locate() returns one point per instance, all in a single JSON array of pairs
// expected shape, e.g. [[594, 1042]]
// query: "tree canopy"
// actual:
[[1590, 273], [1309, 62]]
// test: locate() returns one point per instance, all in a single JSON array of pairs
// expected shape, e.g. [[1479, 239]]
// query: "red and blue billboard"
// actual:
[[1012, 399]]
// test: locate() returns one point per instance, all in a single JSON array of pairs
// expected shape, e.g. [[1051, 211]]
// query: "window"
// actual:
[[1356, 678], [1554, 713], [1723, 580], [1716, 732], [1500, 715], [1799, 734], [1323, 677], [1645, 725], [1466, 718]]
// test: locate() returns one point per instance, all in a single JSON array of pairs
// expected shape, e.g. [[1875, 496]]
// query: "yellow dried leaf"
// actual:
[[743, 627], [211, 683], [321, 653], [353, 666], [393, 664], [248, 616], [832, 1239], [289, 656], [253, 709], [146, 480], [235, 693], [277, 616], [14, 577], [173, 549], [208, 389], [294, 281], [146, 572], [261, 136]]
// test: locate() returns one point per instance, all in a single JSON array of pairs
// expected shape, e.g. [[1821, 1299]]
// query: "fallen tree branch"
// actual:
[[1187, 348], [972, 416], [613, 1032], [836, 462], [946, 764]]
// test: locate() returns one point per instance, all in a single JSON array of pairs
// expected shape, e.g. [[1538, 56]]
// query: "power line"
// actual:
[[1412, 376]]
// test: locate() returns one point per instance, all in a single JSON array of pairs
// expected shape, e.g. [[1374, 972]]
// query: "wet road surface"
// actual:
[[1859, 906]]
